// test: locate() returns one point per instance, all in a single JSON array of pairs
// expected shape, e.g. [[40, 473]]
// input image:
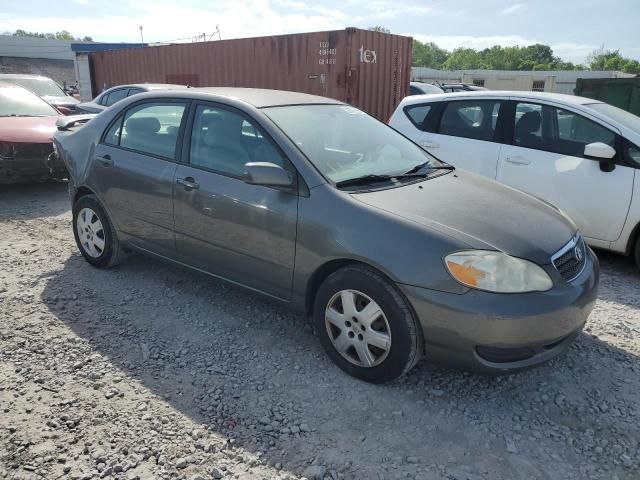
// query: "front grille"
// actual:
[[505, 355], [570, 259], [32, 150]]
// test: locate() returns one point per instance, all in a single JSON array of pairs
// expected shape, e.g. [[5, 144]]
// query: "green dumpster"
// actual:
[[621, 92]]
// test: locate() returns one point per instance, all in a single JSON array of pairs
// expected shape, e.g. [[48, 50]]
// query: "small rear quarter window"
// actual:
[[417, 114]]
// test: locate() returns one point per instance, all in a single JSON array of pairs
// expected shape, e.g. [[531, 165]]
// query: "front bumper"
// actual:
[[500, 333], [19, 170]]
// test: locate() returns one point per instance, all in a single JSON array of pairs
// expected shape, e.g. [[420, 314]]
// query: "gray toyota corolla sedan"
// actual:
[[316, 204]]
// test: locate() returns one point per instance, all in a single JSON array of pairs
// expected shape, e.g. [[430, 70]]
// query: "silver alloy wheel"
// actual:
[[90, 232], [358, 328]]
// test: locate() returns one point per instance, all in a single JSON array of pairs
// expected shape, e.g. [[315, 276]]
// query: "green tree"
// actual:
[[378, 28], [602, 59], [428, 55], [64, 35], [463, 59], [61, 35]]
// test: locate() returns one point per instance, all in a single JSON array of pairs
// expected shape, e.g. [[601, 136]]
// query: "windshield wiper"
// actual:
[[367, 179], [420, 166]]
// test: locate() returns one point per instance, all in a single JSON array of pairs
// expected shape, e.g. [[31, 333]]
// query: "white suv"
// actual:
[[579, 154]]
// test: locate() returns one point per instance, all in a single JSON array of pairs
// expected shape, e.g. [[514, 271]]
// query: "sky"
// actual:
[[573, 28]]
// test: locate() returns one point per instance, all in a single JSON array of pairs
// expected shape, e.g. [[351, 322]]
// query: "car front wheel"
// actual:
[[94, 233], [366, 326]]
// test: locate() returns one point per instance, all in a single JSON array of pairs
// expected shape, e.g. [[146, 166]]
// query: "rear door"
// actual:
[[240, 232], [466, 135], [134, 169], [546, 158]]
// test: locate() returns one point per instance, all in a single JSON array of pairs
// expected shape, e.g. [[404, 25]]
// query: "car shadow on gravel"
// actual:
[[620, 279], [36, 200], [253, 371]]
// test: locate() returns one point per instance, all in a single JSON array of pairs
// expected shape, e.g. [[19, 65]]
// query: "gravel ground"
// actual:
[[150, 371]]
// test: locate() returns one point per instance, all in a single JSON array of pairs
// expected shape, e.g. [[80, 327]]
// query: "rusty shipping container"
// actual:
[[370, 70]]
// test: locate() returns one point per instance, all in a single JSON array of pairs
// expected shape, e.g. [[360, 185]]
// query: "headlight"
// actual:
[[497, 272]]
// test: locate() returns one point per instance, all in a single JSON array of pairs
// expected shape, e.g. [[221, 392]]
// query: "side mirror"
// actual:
[[266, 174], [64, 110], [603, 152]]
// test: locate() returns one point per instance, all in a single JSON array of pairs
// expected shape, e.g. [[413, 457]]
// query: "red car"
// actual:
[[27, 124]]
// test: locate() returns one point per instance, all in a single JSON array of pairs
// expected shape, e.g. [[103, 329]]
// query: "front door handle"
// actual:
[[428, 144], [105, 160], [517, 160], [188, 183]]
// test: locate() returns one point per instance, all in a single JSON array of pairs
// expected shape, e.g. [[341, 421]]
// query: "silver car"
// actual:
[[114, 94], [312, 202]]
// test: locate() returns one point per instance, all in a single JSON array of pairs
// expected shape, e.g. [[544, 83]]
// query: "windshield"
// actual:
[[40, 86], [345, 143], [623, 117], [18, 102]]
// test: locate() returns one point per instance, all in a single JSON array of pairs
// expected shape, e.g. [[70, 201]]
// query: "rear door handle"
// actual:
[[188, 183], [105, 160], [517, 160], [428, 144]]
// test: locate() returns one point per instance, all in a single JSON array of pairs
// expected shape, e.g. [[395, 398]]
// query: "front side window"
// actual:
[[344, 143], [470, 119], [112, 137], [150, 128], [633, 155], [556, 130], [224, 141]]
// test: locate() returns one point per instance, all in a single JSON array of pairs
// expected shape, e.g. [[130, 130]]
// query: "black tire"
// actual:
[[637, 251], [405, 332], [112, 254]]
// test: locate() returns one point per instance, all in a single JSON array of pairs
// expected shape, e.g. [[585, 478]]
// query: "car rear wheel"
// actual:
[[94, 233], [366, 326]]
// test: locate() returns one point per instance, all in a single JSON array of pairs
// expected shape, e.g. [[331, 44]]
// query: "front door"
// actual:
[[466, 136], [243, 233], [547, 159], [134, 173]]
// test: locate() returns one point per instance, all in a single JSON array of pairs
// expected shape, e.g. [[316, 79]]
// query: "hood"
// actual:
[[480, 212], [61, 101], [27, 129]]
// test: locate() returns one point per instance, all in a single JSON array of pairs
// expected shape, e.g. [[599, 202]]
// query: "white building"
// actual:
[[558, 81]]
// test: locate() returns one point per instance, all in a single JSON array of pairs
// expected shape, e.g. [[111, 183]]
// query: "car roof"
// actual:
[[257, 97], [9, 76], [149, 86], [539, 96]]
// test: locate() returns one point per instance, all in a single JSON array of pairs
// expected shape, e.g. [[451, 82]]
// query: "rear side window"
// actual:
[[134, 91], [150, 128], [475, 119], [114, 96], [418, 114]]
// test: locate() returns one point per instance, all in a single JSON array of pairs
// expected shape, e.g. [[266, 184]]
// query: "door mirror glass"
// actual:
[[266, 174], [599, 150]]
